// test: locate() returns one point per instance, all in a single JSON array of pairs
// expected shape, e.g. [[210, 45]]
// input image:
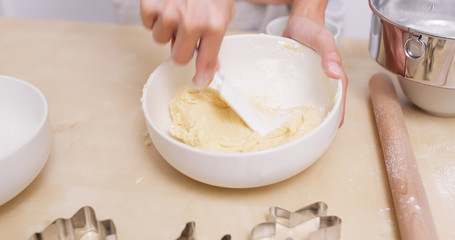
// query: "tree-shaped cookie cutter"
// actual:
[[189, 232], [329, 227], [82, 225]]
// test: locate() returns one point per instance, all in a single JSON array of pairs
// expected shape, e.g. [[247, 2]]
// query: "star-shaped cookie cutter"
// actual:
[[82, 225], [329, 227]]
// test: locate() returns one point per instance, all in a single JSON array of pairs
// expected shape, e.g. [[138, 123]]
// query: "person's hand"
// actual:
[[306, 25], [190, 24]]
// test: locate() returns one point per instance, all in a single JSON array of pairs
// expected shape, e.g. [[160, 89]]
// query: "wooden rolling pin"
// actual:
[[411, 205]]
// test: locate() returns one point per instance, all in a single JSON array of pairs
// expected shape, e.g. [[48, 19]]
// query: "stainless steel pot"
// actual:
[[415, 39]]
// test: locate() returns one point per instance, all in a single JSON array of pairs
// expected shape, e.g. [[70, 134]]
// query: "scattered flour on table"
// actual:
[[437, 154], [445, 184], [140, 180]]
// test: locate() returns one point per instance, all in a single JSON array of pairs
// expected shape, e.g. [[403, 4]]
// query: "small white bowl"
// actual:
[[277, 26], [25, 135], [335, 11], [261, 64]]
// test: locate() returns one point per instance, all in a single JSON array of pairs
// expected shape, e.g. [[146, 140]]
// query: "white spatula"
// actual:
[[252, 117]]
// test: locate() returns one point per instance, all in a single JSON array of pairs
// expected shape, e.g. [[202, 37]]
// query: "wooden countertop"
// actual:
[[92, 76]]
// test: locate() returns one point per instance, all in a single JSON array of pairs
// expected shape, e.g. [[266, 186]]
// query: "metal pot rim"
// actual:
[[408, 29]]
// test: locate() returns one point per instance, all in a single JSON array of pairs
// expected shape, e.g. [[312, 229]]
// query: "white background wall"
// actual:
[[88, 10], [355, 20]]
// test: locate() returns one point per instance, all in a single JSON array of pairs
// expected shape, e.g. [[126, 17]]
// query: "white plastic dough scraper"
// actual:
[[252, 117]]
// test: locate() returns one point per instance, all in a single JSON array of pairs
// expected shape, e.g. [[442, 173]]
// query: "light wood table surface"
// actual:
[[92, 76]]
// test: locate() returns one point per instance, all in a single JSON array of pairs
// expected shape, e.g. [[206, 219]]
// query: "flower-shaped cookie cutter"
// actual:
[[82, 225], [328, 227]]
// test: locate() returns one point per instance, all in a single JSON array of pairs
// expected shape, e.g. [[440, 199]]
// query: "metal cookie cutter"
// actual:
[[188, 233], [82, 225], [328, 227]]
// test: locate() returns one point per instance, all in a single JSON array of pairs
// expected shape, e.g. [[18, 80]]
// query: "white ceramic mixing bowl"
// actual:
[[25, 135], [280, 68]]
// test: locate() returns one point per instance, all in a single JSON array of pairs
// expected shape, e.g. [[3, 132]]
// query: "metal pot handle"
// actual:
[[414, 47]]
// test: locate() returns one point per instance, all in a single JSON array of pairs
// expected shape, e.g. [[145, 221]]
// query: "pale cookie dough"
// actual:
[[203, 120]]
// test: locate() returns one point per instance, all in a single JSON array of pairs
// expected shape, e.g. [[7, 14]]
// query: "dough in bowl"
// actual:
[[203, 120]]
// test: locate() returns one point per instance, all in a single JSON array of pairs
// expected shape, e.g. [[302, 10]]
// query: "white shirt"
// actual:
[[255, 16], [249, 16]]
